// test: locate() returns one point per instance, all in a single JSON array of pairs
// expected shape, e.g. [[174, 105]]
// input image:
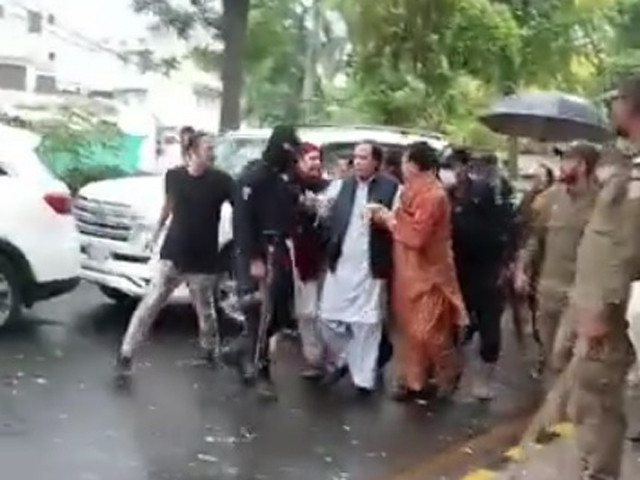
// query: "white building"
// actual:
[[41, 55]]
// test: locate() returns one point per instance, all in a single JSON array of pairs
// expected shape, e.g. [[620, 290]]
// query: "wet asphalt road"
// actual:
[[61, 418]]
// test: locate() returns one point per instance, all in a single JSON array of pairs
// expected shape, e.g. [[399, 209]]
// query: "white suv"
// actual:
[[39, 256], [117, 217]]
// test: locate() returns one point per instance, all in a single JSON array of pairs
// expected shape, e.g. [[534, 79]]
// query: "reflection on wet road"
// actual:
[[61, 418]]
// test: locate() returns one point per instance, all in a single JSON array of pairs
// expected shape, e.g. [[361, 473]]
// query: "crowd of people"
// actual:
[[407, 259], [354, 260]]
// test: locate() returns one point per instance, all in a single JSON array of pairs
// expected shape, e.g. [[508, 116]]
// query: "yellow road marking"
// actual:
[[455, 456], [481, 475], [516, 454], [565, 430]]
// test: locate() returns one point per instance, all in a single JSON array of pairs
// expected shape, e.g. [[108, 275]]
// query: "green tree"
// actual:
[[228, 25], [408, 55], [438, 63], [295, 50], [625, 58], [70, 139], [274, 62]]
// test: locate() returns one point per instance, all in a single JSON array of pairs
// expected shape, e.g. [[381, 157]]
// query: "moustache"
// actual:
[[622, 132]]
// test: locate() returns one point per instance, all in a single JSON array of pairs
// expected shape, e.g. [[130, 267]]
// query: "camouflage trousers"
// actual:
[[590, 392], [168, 279], [558, 375], [596, 403], [552, 305]]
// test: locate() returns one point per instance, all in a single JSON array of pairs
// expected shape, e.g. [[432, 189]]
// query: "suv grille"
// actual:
[[110, 220]]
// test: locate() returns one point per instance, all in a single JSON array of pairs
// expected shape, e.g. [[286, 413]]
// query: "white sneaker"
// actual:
[[483, 388]]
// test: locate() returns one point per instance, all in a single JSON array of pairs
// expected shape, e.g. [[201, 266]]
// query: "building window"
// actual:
[[13, 77], [1, 11], [46, 84], [34, 21]]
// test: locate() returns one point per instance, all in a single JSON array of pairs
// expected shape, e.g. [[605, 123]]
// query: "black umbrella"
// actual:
[[548, 117]]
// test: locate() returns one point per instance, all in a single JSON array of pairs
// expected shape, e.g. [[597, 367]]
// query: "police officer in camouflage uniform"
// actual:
[[562, 213], [605, 268]]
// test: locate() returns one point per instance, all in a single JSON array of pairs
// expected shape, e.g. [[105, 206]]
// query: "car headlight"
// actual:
[[141, 234]]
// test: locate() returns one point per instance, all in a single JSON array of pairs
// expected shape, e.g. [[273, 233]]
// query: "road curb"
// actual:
[[518, 454]]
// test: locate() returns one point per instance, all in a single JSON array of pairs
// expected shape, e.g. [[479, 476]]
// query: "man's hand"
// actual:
[[379, 214], [310, 201], [258, 269]]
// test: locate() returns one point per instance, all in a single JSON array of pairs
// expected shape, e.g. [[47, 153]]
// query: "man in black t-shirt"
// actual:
[[194, 195]]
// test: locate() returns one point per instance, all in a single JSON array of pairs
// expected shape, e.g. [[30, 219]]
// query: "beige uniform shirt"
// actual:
[[605, 265], [560, 223]]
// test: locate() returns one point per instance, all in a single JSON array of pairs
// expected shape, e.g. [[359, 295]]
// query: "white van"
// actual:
[[39, 256]]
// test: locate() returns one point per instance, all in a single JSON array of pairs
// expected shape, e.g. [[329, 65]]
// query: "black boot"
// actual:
[[312, 374], [265, 389], [123, 366], [635, 439], [123, 372], [210, 358], [237, 356], [364, 394], [402, 394], [334, 376]]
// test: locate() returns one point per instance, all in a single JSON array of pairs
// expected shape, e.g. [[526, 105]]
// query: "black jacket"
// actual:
[[265, 202], [382, 190], [482, 228]]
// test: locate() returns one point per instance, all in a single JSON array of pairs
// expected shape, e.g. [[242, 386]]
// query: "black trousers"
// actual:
[[484, 299], [280, 297], [385, 351]]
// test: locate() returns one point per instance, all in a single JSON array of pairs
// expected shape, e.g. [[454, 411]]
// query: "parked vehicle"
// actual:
[[39, 244], [116, 217]]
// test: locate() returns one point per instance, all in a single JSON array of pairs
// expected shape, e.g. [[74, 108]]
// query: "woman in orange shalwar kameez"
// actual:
[[428, 307]]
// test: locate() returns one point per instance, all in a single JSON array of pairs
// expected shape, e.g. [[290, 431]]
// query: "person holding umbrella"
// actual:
[[551, 249], [550, 256], [607, 263]]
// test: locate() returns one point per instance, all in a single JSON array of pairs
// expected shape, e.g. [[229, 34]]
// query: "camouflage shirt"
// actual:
[[553, 245], [605, 265]]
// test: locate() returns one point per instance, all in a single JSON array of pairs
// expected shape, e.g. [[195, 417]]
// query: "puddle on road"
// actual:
[[245, 436], [203, 457]]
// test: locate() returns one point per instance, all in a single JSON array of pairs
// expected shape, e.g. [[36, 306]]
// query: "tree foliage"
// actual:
[[626, 55], [295, 51], [69, 141], [417, 63], [224, 22], [440, 62], [431, 63]]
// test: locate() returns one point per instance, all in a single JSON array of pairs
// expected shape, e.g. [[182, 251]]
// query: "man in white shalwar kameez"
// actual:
[[353, 304]]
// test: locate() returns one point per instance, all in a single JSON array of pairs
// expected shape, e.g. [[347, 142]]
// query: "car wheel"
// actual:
[[116, 295], [10, 294]]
